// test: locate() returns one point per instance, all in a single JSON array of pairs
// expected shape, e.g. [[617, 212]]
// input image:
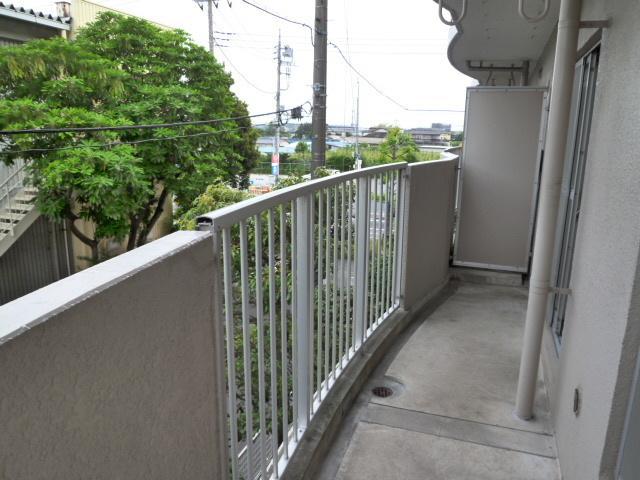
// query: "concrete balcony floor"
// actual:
[[454, 377]]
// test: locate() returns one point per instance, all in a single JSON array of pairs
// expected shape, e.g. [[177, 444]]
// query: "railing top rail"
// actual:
[[13, 174], [231, 215]]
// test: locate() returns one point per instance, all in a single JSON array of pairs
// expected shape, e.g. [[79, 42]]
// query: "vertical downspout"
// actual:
[[562, 86]]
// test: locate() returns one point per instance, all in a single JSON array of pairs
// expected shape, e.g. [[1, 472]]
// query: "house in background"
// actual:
[[438, 134], [19, 25]]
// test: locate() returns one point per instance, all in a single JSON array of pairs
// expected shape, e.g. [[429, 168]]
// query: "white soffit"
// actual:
[[494, 32]]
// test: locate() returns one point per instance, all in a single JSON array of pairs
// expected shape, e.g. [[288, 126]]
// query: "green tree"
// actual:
[[215, 196], [302, 148], [122, 70], [399, 147], [304, 130]]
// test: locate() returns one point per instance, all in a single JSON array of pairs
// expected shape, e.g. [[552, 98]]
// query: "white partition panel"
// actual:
[[499, 178]]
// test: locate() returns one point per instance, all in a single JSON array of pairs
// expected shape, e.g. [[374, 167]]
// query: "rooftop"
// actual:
[[32, 16]]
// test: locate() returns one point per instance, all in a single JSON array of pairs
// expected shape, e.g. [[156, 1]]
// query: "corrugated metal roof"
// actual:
[[33, 16]]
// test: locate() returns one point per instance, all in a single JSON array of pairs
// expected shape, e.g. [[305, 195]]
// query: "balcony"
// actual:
[[238, 351]]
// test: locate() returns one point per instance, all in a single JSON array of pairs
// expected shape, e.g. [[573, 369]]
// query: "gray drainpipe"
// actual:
[[562, 86]]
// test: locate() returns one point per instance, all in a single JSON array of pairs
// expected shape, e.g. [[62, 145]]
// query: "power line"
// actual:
[[140, 126], [346, 60], [239, 72], [116, 144], [380, 92], [295, 22], [215, 43]]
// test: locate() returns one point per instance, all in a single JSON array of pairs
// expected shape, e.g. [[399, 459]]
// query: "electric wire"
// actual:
[[242, 75], [380, 92], [141, 126], [351, 66], [120, 143], [295, 22], [237, 70]]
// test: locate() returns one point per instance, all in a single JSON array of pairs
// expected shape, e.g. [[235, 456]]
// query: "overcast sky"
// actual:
[[400, 47]]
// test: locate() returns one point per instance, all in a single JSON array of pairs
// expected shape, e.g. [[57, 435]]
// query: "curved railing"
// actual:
[[307, 274]]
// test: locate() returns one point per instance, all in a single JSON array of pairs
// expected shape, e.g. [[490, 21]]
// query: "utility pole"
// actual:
[[275, 159], [284, 58], [358, 159], [319, 119], [212, 41]]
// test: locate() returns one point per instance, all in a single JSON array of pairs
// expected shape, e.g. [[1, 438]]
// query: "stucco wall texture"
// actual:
[[601, 332], [429, 210], [119, 384]]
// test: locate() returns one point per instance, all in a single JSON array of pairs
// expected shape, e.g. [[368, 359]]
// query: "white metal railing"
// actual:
[[12, 180], [307, 274]]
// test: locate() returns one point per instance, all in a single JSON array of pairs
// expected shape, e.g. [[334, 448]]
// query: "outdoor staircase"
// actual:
[[17, 204], [16, 211]]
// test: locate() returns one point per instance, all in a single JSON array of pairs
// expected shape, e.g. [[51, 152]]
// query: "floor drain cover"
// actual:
[[382, 392]]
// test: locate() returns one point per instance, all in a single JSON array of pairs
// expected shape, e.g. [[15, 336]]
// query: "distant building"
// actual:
[[341, 130], [376, 132], [266, 144], [19, 25], [438, 134]]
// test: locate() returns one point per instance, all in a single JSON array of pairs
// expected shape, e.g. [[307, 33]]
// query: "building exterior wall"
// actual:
[[39, 257], [111, 373], [601, 339], [84, 12]]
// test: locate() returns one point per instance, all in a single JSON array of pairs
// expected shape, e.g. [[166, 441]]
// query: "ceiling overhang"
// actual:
[[494, 41]]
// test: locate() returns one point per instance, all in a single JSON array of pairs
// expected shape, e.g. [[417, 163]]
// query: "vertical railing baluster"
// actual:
[[394, 266], [231, 356], [319, 331], [260, 325], [294, 317], [372, 261], [327, 318], [349, 318], [390, 233], [272, 343], [223, 439], [385, 209], [284, 342], [246, 340], [334, 290], [311, 305], [362, 261], [379, 240], [302, 287], [400, 227], [342, 282]]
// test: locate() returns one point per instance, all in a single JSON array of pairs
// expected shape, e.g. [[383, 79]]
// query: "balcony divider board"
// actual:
[[504, 139]]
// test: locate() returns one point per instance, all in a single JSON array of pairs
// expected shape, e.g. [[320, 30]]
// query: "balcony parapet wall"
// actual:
[[110, 373]]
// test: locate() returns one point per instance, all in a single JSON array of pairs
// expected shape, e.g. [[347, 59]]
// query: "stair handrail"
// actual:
[[6, 188]]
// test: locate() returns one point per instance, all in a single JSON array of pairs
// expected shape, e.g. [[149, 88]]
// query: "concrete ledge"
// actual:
[[326, 424], [26, 312]]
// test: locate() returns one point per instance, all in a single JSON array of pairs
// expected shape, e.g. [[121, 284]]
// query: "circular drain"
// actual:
[[382, 392]]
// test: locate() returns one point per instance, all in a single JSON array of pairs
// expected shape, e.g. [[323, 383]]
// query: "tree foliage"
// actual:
[[399, 146], [121, 71], [304, 130], [215, 196]]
